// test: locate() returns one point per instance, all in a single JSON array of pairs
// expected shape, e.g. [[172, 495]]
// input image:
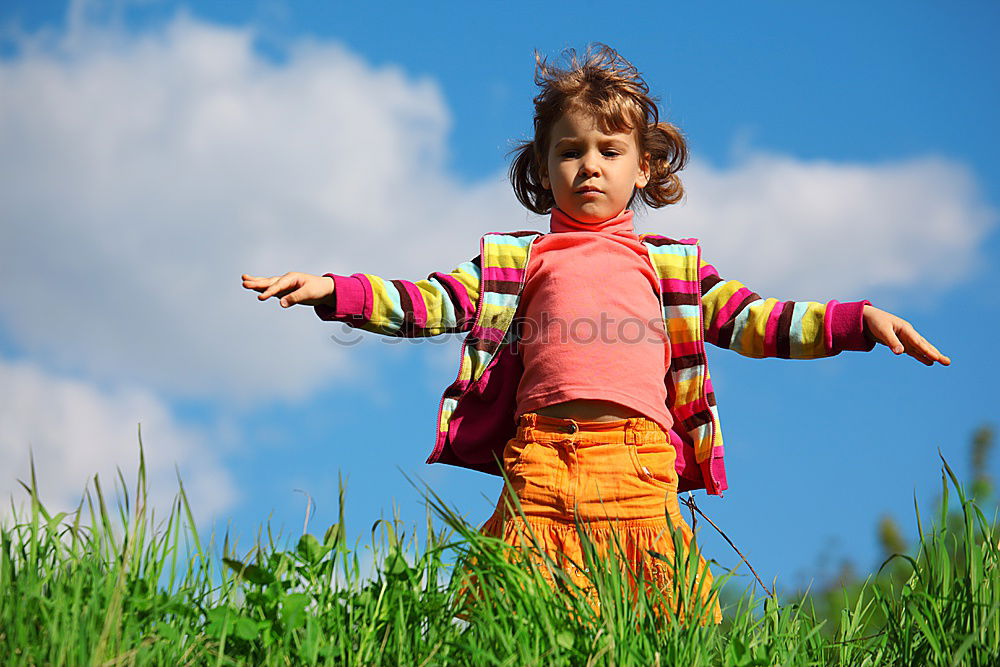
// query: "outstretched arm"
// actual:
[[442, 303], [739, 319], [899, 336]]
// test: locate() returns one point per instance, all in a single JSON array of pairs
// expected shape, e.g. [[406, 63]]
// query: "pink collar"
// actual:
[[620, 224]]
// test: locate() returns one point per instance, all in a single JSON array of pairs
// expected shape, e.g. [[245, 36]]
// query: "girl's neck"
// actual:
[[620, 224]]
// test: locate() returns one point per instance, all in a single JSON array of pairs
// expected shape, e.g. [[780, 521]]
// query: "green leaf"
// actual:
[[167, 632], [310, 550], [217, 620], [737, 649], [235, 624], [53, 523], [565, 640], [395, 564], [245, 628], [251, 573], [293, 610], [333, 535], [179, 608]]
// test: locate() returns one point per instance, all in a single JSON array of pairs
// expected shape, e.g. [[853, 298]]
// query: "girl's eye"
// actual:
[[570, 154], [611, 153]]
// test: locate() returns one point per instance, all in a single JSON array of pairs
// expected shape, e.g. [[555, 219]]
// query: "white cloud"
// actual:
[[818, 230], [76, 430], [142, 173]]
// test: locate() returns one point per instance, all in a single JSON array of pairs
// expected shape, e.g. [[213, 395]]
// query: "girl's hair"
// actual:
[[609, 88]]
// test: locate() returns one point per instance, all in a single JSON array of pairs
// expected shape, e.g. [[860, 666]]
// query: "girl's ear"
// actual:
[[643, 177], [543, 178]]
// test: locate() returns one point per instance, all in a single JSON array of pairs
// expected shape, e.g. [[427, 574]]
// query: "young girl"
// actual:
[[583, 371]]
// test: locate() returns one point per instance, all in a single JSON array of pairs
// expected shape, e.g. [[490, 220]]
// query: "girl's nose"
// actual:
[[589, 167]]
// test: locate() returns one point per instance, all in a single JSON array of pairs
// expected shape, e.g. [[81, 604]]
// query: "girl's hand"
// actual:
[[899, 336], [293, 288]]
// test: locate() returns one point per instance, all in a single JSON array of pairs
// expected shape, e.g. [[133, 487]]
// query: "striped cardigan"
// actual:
[[480, 297]]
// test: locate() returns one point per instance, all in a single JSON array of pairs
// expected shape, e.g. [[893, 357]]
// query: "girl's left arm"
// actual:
[[736, 318]]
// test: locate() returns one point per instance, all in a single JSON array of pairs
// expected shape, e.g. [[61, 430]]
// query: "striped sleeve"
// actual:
[[443, 303], [741, 320]]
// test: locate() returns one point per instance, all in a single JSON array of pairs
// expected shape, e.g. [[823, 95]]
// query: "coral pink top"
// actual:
[[591, 321]]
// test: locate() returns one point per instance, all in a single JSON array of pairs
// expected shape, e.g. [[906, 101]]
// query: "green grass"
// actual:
[[119, 586]]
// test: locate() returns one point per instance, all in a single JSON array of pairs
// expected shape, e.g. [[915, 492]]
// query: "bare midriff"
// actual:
[[586, 409]]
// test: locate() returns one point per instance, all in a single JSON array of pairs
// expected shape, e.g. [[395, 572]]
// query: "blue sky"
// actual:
[[150, 152]]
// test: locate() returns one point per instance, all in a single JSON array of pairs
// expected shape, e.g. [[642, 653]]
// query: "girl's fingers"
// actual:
[[301, 295], [290, 288], [899, 336], [928, 354], [889, 339], [281, 284], [936, 355], [257, 283], [290, 299]]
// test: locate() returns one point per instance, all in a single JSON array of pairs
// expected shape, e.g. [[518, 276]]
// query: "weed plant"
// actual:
[[118, 586]]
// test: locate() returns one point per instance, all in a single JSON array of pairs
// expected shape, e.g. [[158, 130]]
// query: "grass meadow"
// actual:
[[112, 584]]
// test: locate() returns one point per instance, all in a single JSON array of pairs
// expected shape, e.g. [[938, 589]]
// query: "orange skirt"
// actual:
[[608, 476]]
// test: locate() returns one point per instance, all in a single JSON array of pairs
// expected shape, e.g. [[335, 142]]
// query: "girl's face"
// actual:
[[592, 175]]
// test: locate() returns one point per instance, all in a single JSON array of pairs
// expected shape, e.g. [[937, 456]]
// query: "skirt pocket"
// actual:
[[516, 453], [654, 465]]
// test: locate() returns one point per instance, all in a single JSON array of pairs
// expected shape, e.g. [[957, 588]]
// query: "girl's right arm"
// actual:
[[442, 303]]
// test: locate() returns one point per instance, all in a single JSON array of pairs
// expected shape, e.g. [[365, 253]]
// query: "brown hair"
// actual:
[[606, 86]]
